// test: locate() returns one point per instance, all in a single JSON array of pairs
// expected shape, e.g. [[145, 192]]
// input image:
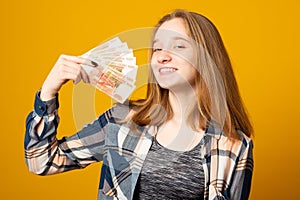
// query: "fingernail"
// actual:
[[94, 63]]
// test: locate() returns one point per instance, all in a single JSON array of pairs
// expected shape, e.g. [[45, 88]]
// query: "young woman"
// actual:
[[189, 139]]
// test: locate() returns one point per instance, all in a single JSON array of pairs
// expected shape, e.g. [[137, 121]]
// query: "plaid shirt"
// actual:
[[227, 165]]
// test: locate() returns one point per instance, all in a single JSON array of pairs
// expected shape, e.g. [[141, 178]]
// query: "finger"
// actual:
[[72, 75], [67, 75], [90, 63], [77, 79], [69, 65], [79, 60], [75, 69], [68, 71], [76, 76], [84, 76]]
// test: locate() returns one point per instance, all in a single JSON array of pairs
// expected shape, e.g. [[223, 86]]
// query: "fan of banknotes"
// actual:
[[116, 72]]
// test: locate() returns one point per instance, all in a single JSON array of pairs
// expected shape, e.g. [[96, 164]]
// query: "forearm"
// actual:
[[46, 155], [42, 151]]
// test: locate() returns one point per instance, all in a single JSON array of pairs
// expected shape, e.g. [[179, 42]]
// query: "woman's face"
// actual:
[[173, 56]]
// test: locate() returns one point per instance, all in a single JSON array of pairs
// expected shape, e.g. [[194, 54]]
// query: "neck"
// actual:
[[181, 102]]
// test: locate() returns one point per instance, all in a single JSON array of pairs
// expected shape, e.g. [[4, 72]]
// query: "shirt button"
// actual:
[[41, 108]]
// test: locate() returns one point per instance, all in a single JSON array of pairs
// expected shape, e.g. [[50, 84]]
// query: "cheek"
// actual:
[[186, 58], [153, 64], [190, 58], [188, 71], [153, 59], [153, 67]]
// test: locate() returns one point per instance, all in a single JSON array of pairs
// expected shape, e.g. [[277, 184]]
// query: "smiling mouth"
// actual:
[[167, 70]]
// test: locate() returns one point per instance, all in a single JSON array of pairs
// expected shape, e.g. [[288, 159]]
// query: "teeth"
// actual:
[[167, 70]]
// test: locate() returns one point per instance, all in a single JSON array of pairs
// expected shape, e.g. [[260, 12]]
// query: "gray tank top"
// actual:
[[169, 174]]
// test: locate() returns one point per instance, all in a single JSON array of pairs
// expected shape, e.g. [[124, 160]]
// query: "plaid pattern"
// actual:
[[227, 164]]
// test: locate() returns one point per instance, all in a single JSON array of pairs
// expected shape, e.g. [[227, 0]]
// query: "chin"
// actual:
[[165, 85], [169, 86]]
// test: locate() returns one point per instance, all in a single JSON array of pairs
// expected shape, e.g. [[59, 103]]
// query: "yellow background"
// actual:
[[262, 38]]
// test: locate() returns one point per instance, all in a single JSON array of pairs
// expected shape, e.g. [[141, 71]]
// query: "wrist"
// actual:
[[45, 95]]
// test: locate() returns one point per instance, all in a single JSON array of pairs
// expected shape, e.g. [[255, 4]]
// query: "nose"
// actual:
[[164, 57]]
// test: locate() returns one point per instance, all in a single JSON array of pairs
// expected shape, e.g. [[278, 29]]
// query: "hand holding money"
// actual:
[[66, 68], [110, 67]]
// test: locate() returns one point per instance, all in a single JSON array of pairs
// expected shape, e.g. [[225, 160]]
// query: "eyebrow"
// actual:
[[173, 38]]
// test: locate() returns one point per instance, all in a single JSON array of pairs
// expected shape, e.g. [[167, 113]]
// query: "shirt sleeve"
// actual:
[[45, 154], [241, 184]]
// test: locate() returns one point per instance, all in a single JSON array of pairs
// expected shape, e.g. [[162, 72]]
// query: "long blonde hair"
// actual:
[[216, 88]]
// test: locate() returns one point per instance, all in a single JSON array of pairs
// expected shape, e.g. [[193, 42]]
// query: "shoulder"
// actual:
[[243, 149], [246, 142], [236, 146], [246, 150], [117, 112], [120, 111]]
